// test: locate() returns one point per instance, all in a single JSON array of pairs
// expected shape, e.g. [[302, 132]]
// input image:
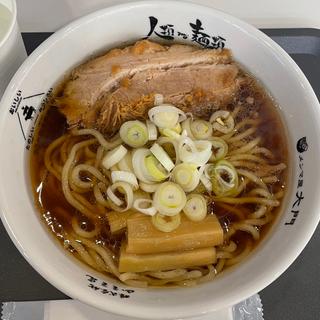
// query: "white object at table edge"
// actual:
[[50, 15]]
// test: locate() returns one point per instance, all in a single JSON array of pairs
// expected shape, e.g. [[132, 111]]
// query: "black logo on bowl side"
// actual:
[[302, 146], [24, 108], [195, 32], [105, 288]]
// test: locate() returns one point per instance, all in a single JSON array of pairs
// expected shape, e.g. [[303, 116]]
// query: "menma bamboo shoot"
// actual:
[[130, 262], [144, 238], [118, 220]]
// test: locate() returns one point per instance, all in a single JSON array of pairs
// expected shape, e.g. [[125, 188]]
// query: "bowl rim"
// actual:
[[116, 306]]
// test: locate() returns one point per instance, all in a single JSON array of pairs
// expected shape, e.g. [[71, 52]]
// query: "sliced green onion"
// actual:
[[224, 178], [166, 116], [125, 164], [196, 207], [125, 176], [145, 206], [113, 197], [222, 121], [186, 125], [219, 148], [165, 223], [169, 133], [201, 129], [169, 199], [171, 147], [186, 175], [203, 178], [208, 170], [173, 132], [152, 130], [197, 152], [146, 167], [162, 157], [114, 156], [155, 168], [148, 187], [138, 163], [134, 133], [206, 182], [114, 201], [177, 128], [187, 143]]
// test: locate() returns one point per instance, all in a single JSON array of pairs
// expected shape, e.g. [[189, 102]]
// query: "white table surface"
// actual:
[[50, 15]]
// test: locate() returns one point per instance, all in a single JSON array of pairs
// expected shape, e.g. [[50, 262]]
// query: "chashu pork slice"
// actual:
[[199, 89], [120, 85]]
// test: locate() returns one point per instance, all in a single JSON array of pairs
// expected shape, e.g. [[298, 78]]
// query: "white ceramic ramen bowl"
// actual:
[[21, 105]]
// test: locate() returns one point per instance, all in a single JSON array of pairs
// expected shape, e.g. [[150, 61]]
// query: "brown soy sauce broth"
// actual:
[[271, 129], [57, 213], [55, 210]]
